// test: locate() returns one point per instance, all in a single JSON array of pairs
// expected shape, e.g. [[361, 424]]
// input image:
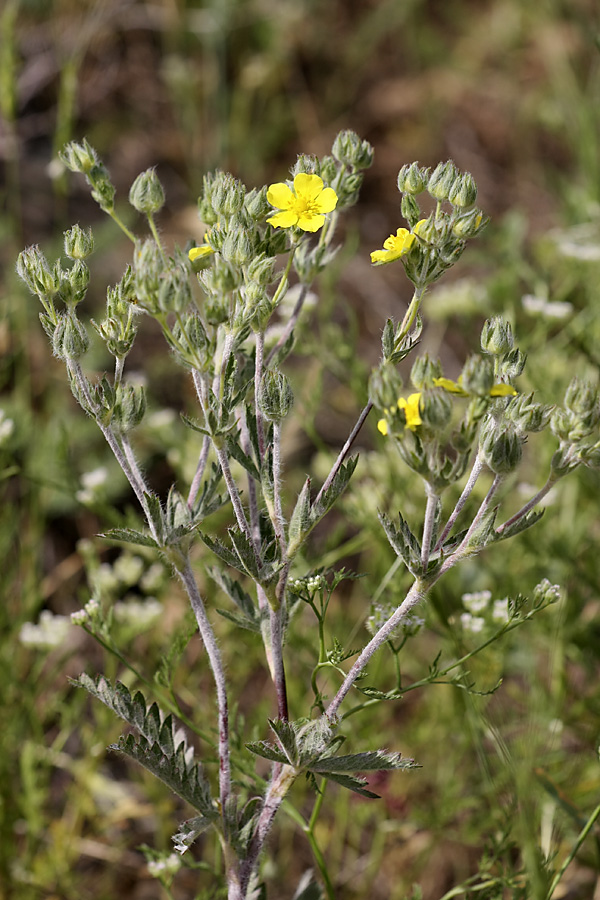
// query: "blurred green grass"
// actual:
[[510, 90]]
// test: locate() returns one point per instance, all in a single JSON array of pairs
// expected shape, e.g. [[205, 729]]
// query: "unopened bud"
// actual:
[[130, 406], [385, 386], [79, 244], [79, 157], [275, 397], [581, 397], [502, 450], [412, 179], [227, 195], [470, 224], [442, 180], [436, 408], [478, 375], [464, 191], [527, 415], [256, 204], [146, 193], [496, 336], [350, 150], [34, 270], [424, 371], [237, 247], [512, 363], [174, 293], [70, 340], [410, 209]]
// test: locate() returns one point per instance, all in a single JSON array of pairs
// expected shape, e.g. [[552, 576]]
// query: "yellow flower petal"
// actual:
[[451, 386], [394, 246], [308, 187], [382, 426], [410, 406], [200, 252], [503, 390], [283, 219], [310, 222], [327, 200], [280, 195]]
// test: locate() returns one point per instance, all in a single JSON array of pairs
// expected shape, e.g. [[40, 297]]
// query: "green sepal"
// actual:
[[522, 524]]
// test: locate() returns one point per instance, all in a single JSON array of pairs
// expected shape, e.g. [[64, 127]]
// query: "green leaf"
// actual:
[[352, 784], [374, 760], [245, 552], [129, 536], [266, 751], [242, 458], [220, 550], [522, 524], [189, 831], [403, 542], [287, 738], [337, 487], [300, 521], [191, 423]]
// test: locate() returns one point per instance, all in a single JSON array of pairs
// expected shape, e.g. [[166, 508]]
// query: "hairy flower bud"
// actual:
[[275, 396], [385, 386], [227, 195], [512, 363], [442, 180], [436, 408], [410, 209], [526, 414], [256, 204], [238, 247], [350, 150], [502, 449], [464, 191], [496, 336], [33, 269], [412, 179], [70, 340], [79, 244], [174, 292], [470, 224], [424, 371], [130, 406], [478, 375], [146, 194], [79, 157], [581, 397]]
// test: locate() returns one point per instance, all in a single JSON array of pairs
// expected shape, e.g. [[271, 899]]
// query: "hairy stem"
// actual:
[[200, 469], [430, 511], [290, 324], [552, 479], [468, 488], [344, 451], [281, 781], [417, 593]]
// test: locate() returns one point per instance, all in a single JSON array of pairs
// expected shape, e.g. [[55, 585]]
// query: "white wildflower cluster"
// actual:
[[551, 309], [309, 585], [89, 612], [139, 614], [126, 571], [91, 485], [50, 631], [7, 426], [168, 866], [479, 602], [380, 613]]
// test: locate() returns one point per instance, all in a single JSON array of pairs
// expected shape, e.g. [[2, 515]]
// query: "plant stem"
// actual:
[[116, 218], [463, 548], [290, 325], [309, 830], [468, 488], [430, 511], [578, 842], [344, 451], [417, 593], [184, 570], [200, 469], [552, 479], [258, 374]]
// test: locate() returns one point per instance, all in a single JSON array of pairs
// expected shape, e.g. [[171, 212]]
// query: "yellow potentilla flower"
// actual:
[[200, 252], [304, 206], [410, 405], [455, 387], [382, 426], [394, 247]]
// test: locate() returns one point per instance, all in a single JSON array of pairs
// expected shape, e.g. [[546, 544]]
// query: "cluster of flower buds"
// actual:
[[576, 427], [84, 159]]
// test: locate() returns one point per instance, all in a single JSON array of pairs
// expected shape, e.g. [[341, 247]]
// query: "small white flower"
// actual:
[[474, 624], [95, 478], [552, 309], [500, 610], [7, 426], [128, 569], [138, 613], [477, 601], [50, 631]]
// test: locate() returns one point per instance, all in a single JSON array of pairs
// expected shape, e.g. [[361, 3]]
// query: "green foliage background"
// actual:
[[511, 91]]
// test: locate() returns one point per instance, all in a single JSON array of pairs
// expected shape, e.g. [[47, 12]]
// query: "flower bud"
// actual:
[[442, 180], [412, 179], [410, 209], [501, 450], [256, 204], [469, 224], [527, 415], [306, 164], [581, 397], [478, 375], [562, 422], [70, 340], [424, 371], [545, 592], [464, 191], [238, 247], [260, 269], [79, 278], [512, 363], [174, 292], [130, 406], [436, 408], [227, 195], [103, 192], [146, 194], [350, 150], [385, 386], [496, 336], [79, 244], [275, 396], [590, 456], [79, 157], [33, 269]]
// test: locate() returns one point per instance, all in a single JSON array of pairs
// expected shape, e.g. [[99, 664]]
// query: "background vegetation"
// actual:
[[510, 89]]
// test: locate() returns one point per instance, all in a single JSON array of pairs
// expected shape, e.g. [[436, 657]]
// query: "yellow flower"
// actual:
[[396, 245], [455, 387], [411, 410], [305, 206], [382, 426], [200, 252]]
